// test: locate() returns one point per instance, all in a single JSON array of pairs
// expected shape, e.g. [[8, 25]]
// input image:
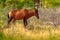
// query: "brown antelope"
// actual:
[[22, 14]]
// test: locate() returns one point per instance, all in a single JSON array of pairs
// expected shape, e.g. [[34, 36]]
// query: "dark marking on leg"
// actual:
[[9, 20], [25, 22]]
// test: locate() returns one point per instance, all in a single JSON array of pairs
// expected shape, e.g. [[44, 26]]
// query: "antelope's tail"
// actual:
[[9, 15]]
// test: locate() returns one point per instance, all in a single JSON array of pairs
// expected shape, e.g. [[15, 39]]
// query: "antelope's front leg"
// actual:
[[25, 22]]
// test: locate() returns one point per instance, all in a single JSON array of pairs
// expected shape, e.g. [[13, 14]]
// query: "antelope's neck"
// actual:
[[36, 11]]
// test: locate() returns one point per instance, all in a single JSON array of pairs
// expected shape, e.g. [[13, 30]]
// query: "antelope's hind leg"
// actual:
[[9, 20], [14, 21]]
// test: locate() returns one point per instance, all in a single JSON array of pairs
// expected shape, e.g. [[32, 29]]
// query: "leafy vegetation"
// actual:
[[51, 3], [29, 3]]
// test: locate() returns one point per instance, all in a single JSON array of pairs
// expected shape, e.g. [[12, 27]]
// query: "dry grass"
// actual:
[[46, 32]]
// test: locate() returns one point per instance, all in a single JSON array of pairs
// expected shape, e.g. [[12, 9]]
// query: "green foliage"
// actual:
[[16, 3], [51, 3], [27, 3], [2, 36]]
